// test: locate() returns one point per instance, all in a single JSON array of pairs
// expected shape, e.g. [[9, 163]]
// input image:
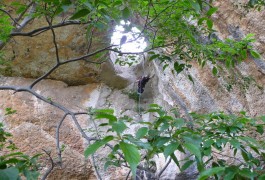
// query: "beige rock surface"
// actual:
[[35, 122]]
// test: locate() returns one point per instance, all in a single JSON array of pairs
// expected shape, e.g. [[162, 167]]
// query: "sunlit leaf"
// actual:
[[9, 173], [211, 11], [141, 132], [80, 13], [126, 13], [209, 172], [169, 149], [95, 146], [255, 54], [131, 155]]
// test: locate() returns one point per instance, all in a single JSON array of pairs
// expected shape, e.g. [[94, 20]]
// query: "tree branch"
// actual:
[[50, 168], [10, 16], [54, 40], [46, 28], [58, 138], [24, 22], [165, 167]]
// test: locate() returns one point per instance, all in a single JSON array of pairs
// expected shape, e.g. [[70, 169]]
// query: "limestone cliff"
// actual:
[[80, 85]]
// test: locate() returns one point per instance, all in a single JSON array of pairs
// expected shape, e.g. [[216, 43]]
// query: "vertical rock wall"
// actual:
[[34, 123]]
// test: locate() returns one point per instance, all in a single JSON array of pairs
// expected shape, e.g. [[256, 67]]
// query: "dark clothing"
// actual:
[[141, 84]]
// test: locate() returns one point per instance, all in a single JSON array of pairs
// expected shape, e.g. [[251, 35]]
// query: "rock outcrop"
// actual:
[[80, 85]]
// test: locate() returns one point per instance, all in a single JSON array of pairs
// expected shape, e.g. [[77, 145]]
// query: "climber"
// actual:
[[142, 82]]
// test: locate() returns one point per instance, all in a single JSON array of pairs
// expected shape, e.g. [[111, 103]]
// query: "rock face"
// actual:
[[34, 124]]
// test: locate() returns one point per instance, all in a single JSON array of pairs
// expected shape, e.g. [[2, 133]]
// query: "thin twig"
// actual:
[[46, 28], [54, 40], [165, 167], [58, 139], [22, 14], [128, 175], [10, 16], [50, 168], [24, 22], [228, 156], [44, 75], [71, 60]]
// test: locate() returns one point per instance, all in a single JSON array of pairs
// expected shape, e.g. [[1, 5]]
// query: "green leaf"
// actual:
[[196, 5], [179, 122], [190, 78], [208, 143], [119, 127], [175, 159], [230, 174], [244, 53], [244, 155], [110, 117], [161, 141], [11, 173], [211, 11], [209, 23], [255, 54], [209, 172], [214, 71], [131, 155], [165, 66], [80, 13], [186, 165], [140, 144], [235, 143], [262, 177], [245, 172], [107, 111], [153, 57], [95, 146], [179, 67], [193, 149], [249, 36], [126, 13], [263, 118], [260, 129], [170, 149], [200, 21], [141, 132]]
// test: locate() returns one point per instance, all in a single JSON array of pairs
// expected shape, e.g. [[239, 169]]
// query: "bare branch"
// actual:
[[128, 175], [27, 89], [89, 55], [165, 167], [228, 156], [49, 170], [58, 139], [54, 40], [46, 28], [22, 14], [28, 18], [71, 60], [44, 76]]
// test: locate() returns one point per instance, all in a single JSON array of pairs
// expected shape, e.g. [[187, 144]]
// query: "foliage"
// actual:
[[206, 141], [186, 28], [13, 163], [257, 4], [183, 26], [5, 27]]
